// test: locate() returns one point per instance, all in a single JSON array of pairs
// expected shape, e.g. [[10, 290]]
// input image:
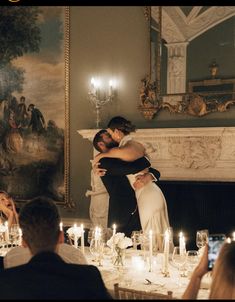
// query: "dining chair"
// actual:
[[121, 293]]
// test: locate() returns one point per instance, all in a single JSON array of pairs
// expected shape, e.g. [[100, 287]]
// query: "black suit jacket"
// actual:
[[123, 209], [47, 276]]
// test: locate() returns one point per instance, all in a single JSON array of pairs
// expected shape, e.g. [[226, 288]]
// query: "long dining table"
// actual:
[[136, 274]]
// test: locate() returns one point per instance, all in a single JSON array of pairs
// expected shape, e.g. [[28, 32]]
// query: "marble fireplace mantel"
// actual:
[[193, 154]]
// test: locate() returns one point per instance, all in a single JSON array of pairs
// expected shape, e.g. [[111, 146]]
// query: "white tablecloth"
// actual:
[[134, 273]]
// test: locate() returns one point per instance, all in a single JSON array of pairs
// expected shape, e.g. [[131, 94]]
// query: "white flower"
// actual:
[[119, 240], [74, 231], [125, 242], [118, 237]]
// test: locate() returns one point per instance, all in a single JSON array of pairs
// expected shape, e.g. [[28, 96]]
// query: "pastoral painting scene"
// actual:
[[32, 102]]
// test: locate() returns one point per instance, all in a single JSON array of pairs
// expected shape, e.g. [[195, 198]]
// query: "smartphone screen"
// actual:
[[215, 243]]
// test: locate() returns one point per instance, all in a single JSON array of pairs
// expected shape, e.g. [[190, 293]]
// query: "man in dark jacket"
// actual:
[[46, 275]]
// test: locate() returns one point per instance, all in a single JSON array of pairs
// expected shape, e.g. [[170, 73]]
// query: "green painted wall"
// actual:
[[113, 41]]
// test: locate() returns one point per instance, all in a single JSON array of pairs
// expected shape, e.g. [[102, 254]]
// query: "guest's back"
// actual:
[[20, 255], [47, 276]]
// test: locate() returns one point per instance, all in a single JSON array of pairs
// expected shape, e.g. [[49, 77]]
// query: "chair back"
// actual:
[[123, 293]]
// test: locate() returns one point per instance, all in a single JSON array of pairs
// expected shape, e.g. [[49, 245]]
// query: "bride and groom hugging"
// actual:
[[135, 200]]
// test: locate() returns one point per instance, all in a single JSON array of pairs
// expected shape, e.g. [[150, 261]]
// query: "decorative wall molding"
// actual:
[[189, 154], [176, 67]]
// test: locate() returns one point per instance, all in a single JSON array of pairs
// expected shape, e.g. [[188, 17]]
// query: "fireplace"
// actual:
[[197, 168]]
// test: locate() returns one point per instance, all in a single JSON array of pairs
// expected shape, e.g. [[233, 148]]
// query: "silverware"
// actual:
[[148, 282]]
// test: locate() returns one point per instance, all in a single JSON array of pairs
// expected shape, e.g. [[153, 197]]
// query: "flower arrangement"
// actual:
[[74, 233], [119, 242]]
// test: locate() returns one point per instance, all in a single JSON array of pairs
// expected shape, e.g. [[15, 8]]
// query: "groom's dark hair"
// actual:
[[98, 138]]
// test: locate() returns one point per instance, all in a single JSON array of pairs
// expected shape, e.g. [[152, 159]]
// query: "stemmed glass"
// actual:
[[201, 239], [107, 252], [3, 242], [91, 235], [144, 242], [136, 238], [14, 234], [96, 249], [192, 259], [179, 259]]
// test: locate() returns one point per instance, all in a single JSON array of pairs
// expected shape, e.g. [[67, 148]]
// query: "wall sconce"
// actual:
[[99, 97]]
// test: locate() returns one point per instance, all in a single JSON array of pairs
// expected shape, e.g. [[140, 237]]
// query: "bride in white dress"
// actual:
[[150, 199]]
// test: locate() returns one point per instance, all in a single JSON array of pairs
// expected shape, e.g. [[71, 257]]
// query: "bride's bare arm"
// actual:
[[130, 152]]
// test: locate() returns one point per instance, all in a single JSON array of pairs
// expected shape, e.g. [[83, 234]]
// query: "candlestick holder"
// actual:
[[165, 273], [98, 98], [150, 266]]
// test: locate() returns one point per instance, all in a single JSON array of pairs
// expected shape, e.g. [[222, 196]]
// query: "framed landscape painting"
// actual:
[[34, 104]]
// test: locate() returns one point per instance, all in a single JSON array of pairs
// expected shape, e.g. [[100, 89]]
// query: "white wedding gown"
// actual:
[[151, 203]]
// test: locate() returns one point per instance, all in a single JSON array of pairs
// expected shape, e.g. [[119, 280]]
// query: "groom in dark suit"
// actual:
[[123, 209], [46, 276]]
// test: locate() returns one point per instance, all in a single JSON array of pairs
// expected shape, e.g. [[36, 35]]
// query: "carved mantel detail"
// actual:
[[194, 154]]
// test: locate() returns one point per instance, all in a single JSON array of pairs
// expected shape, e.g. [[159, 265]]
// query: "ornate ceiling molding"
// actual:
[[207, 20], [176, 27], [170, 31]]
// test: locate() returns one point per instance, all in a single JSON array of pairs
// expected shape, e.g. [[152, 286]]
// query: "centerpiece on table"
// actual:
[[74, 234], [118, 243]]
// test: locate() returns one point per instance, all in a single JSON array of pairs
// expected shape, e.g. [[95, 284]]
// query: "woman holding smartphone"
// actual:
[[223, 275]]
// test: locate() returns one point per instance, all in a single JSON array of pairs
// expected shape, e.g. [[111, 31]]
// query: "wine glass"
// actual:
[[192, 259], [201, 239], [96, 248], [144, 245], [3, 242], [91, 235], [179, 258], [107, 252], [14, 234], [136, 238]]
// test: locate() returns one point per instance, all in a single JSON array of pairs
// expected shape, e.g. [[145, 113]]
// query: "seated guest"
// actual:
[[47, 275], [7, 209], [20, 255], [223, 275]]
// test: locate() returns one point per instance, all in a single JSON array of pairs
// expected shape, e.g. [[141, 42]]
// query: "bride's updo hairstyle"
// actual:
[[120, 123]]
